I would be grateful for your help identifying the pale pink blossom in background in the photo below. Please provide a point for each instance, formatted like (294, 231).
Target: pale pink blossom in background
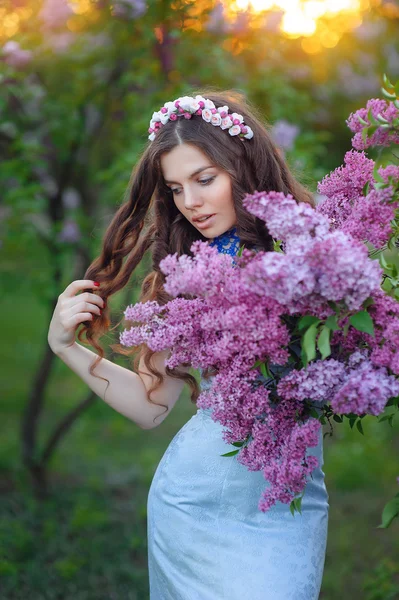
(55, 13)
(15, 56)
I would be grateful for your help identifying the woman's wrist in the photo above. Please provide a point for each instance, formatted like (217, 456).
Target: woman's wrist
(63, 351)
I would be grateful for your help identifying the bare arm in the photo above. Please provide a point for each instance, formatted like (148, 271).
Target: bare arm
(126, 392)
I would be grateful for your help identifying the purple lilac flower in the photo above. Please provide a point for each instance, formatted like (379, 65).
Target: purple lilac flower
(365, 391)
(285, 218)
(382, 136)
(383, 346)
(285, 134)
(318, 381)
(70, 232)
(344, 186)
(370, 219)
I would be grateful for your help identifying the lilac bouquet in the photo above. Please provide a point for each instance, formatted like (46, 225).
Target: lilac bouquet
(301, 335)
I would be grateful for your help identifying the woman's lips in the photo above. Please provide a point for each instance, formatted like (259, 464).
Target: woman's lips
(205, 224)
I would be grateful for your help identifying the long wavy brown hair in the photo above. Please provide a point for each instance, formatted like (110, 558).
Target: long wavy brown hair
(149, 219)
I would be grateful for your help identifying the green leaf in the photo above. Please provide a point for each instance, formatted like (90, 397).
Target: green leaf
(309, 342)
(382, 119)
(232, 453)
(292, 508)
(298, 505)
(237, 444)
(390, 511)
(393, 401)
(388, 95)
(323, 342)
(338, 418)
(376, 175)
(332, 323)
(387, 81)
(264, 369)
(362, 321)
(362, 121)
(352, 421)
(313, 413)
(241, 250)
(368, 302)
(360, 426)
(307, 321)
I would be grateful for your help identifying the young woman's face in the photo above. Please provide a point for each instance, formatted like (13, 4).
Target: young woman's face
(199, 189)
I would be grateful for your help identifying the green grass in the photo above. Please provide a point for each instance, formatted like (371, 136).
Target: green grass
(88, 540)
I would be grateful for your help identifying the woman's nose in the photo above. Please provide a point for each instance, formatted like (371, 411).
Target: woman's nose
(191, 198)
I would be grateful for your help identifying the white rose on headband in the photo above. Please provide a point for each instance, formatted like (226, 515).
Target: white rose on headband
(235, 130)
(151, 137)
(186, 102)
(164, 118)
(216, 119)
(156, 117)
(250, 134)
(226, 123)
(209, 104)
(170, 106)
(207, 115)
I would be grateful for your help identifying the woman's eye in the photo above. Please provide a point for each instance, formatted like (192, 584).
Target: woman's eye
(206, 181)
(175, 191)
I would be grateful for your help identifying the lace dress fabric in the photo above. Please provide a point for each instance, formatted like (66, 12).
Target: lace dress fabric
(207, 538)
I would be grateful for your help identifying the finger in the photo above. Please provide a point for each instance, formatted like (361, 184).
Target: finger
(83, 307)
(78, 285)
(88, 297)
(80, 318)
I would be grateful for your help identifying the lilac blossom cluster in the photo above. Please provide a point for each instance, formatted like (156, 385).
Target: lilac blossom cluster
(248, 300)
(361, 388)
(386, 133)
(317, 266)
(365, 217)
(383, 345)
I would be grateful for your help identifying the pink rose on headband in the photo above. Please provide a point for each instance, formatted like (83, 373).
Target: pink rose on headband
(223, 111)
(236, 117)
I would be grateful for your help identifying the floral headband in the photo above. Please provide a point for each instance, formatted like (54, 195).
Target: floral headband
(187, 107)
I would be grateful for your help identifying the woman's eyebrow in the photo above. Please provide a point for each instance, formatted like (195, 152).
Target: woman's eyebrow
(193, 174)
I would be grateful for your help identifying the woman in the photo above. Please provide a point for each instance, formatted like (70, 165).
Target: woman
(207, 538)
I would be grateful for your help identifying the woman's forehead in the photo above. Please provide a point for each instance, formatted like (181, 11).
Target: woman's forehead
(183, 161)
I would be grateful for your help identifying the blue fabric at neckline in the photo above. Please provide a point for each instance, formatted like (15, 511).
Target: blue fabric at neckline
(227, 242)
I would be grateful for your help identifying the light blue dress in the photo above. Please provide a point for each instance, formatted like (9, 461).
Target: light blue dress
(207, 538)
